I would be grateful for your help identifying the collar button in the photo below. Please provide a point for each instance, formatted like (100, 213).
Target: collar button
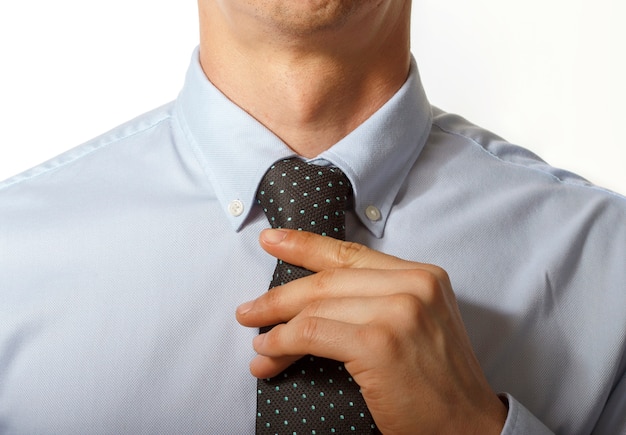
(373, 213)
(235, 208)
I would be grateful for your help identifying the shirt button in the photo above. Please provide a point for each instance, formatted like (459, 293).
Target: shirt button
(373, 213)
(235, 208)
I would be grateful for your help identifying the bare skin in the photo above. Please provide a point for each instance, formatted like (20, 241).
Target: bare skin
(394, 323)
(312, 71)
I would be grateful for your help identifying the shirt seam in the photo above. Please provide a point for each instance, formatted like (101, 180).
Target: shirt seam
(89, 149)
(588, 185)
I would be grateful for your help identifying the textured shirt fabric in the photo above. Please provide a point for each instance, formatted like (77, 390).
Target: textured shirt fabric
(122, 262)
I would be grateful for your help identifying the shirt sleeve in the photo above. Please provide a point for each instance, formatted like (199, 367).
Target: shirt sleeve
(521, 421)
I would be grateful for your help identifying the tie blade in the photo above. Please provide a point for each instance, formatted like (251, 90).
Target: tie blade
(314, 395)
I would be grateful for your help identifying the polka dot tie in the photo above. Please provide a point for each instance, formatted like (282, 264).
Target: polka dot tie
(315, 395)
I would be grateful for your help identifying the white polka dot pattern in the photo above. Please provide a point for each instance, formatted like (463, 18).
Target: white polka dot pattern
(315, 395)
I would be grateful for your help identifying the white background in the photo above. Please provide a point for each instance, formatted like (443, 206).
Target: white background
(546, 74)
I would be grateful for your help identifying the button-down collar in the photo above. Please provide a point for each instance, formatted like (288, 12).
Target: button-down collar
(236, 150)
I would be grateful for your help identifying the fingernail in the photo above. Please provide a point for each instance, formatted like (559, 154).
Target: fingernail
(273, 237)
(245, 307)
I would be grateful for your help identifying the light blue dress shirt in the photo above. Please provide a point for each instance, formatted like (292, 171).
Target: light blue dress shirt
(122, 262)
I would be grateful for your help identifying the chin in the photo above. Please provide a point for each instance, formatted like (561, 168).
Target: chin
(304, 17)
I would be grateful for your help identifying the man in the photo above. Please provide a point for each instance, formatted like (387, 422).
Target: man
(489, 298)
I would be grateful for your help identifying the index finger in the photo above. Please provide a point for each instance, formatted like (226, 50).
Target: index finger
(316, 253)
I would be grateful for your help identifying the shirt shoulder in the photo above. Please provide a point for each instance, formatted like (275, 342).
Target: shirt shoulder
(551, 211)
(133, 130)
(496, 148)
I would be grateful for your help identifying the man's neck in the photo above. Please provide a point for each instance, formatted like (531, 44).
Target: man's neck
(312, 89)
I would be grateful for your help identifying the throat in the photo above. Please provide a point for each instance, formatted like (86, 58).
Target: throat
(315, 109)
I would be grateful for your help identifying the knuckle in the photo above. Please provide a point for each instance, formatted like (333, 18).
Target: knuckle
(347, 254)
(305, 240)
(426, 277)
(276, 303)
(429, 283)
(410, 317)
(405, 306)
(309, 330)
(441, 274)
(275, 336)
(274, 297)
(383, 341)
(322, 281)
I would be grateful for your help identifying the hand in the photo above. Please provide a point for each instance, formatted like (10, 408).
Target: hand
(394, 323)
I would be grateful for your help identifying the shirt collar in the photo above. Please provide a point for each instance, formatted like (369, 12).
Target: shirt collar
(235, 149)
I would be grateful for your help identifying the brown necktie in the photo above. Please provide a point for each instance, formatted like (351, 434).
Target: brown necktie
(314, 395)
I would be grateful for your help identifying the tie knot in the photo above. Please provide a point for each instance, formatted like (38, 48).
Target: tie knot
(303, 196)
